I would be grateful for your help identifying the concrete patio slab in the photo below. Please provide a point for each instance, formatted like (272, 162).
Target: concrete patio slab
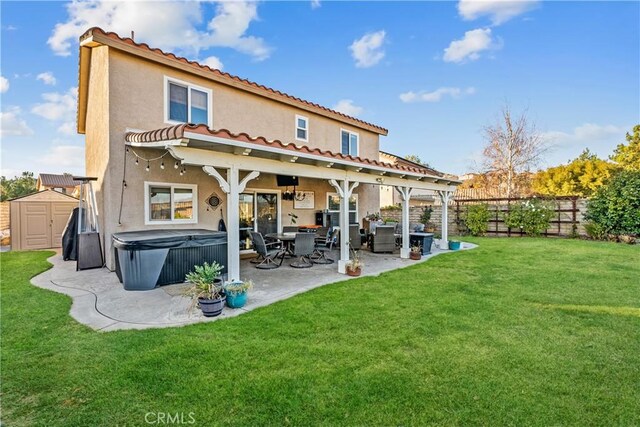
(100, 302)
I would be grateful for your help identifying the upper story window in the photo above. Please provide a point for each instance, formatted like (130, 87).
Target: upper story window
(350, 142)
(302, 128)
(186, 103)
(167, 203)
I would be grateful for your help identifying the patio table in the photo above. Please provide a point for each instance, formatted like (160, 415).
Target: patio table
(287, 240)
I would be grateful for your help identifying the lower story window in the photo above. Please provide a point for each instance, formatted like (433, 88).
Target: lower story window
(333, 205)
(170, 203)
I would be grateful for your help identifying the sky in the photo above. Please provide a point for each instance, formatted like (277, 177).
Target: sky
(433, 73)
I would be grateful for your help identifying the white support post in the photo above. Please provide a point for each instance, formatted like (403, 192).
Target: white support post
(345, 191)
(405, 194)
(232, 186)
(445, 196)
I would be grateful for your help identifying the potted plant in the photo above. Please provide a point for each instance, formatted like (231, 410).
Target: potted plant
(236, 292)
(415, 253)
(207, 290)
(354, 267)
(425, 216)
(454, 245)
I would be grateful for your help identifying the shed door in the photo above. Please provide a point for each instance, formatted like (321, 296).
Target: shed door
(60, 212)
(35, 225)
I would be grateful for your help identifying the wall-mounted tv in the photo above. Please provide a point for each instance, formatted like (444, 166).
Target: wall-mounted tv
(286, 181)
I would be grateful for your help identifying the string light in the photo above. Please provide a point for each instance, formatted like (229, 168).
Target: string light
(148, 167)
(175, 166)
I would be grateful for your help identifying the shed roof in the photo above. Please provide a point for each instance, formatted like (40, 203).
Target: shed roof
(58, 181)
(47, 195)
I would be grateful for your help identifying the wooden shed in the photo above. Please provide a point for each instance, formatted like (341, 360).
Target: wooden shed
(38, 220)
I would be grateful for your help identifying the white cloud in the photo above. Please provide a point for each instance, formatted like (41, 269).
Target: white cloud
(588, 132)
(346, 106)
(67, 128)
(169, 25)
(63, 157)
(499, 11)
(213, 62)
(436, 95)
(4, 84)
(12, 125)
(47, 78)
(58, 106)
(470, 46)
(367, 50)
(315, 4)
(11, 28)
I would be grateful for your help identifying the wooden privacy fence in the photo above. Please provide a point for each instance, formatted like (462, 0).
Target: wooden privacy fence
(567, 219)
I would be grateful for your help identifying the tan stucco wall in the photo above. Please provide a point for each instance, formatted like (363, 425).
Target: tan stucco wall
(128, 93)
(140, 99)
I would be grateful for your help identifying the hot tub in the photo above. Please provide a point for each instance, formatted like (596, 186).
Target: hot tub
(150, 258)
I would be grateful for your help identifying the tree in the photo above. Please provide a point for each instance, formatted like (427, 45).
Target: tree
(580, 177)
(513, 145)
(416, 159)
(615, 207)
(628, 156)
(17, 187)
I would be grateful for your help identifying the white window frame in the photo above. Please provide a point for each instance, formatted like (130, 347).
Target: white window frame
(338, 196)
(189, 86)
(172, 186)
(306, 120)
(357, 142)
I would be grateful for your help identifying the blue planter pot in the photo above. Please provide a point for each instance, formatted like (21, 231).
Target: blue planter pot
(237, 300)
(454, 246)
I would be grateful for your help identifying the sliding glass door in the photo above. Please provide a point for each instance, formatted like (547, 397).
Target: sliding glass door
(259, 211)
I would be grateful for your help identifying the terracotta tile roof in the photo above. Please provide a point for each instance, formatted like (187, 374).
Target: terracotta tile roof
(58, 181)
(226, 76)
(178, 132)
(403, 161)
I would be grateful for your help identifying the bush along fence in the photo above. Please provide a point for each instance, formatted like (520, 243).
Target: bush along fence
(560, 216)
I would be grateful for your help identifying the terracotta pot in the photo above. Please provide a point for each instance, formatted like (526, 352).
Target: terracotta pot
(355, 272)
(415, 255)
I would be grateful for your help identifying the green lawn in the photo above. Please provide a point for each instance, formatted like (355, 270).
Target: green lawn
(517, 331)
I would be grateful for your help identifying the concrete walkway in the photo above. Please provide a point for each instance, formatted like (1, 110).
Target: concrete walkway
(100, 302)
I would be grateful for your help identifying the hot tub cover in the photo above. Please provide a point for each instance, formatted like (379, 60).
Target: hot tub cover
(166, 239)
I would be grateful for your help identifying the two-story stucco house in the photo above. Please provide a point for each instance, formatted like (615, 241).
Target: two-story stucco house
(165, 134)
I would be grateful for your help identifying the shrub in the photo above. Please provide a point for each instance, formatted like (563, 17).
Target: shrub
(476, 219)
(615, 207)
(531, 216)
(595, 231)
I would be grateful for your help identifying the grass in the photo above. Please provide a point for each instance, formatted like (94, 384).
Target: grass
(517, 332)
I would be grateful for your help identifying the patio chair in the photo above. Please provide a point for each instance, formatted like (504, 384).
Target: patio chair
(270, 243)
(303, 248)
(384, 240)
(290, 229)
(322, 246)
(269, 255)
(355, 237)
(334, 238)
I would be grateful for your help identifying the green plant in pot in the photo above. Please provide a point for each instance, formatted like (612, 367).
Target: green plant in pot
(206, 288)
(236, 292)
(354, 267)
(415, 252)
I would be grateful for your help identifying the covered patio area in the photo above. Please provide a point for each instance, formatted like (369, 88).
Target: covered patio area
(235, 160)
(100, 302)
